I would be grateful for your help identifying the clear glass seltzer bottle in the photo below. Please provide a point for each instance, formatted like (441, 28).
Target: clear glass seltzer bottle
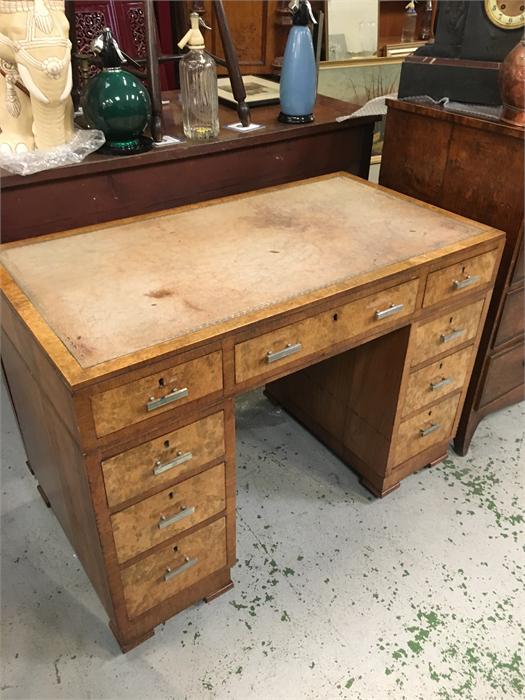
(198, 86)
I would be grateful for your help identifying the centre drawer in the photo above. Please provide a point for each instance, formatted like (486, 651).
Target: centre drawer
(446, 332)
(427, 428)
(169, 512)
(158, 462)
(259, 355)
(133, 402)
(174, 568)
(437, 380)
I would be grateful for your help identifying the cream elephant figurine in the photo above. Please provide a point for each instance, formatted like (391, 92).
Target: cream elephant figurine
(36, 110)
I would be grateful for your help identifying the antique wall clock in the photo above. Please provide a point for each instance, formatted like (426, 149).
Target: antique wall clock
(507, 14)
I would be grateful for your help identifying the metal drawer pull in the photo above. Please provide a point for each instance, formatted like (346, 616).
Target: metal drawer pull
(385, 313)
(170, 573)
(183, 513)
(461, 284)
(179, 459)
(175, 395)
(435, 386)
(445, 338)
(423, 432)
(279, 354)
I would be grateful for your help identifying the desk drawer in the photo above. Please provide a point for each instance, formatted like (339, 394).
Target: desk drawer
(169, 512)
(446, 332)
(437, 380)
(160, 461)
(453, 281)
(427, 428)
(174, 568)
(258, 356)
(130, 403)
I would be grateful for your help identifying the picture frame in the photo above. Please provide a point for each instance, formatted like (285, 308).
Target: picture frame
(259, 91)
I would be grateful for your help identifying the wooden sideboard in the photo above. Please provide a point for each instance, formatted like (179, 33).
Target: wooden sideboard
(103, 188)
(124, 382)
(473, 167)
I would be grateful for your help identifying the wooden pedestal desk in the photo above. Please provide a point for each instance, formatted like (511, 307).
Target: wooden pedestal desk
(360, 309)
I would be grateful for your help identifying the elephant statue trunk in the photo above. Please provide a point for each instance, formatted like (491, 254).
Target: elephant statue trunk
(36, 110)
(49, 123)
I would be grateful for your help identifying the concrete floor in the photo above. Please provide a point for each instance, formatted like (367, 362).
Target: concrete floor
(337, 595)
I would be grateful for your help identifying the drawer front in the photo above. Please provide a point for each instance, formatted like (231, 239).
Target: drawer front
(278, 348)
(174, 568)
(437, 380)
(455, 280)
(505, 372)
(169, 512)
(156, 393)
(446, 332)
(160, 461)
(427, 428)
(512, 321)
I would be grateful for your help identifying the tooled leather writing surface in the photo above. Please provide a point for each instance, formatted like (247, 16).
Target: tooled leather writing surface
(132, 285)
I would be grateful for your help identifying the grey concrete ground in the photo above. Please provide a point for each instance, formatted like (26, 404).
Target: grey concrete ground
(337, 595)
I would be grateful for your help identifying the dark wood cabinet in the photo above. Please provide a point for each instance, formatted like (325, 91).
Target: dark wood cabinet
(473, 167)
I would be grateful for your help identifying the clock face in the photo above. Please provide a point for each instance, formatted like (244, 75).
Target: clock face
(507, 14)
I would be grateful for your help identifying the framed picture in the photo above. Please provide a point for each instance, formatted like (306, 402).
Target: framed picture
(259, 91)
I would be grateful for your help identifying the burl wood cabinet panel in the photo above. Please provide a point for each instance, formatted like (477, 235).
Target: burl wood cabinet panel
(473, 167)
(124, 384)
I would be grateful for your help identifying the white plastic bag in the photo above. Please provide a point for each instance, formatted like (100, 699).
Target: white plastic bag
(84, 142)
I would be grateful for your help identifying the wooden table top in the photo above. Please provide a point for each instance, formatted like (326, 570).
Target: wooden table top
(117, 289)
(327, 109)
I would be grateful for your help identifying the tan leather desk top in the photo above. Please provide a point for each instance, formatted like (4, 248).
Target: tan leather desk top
(112, 291)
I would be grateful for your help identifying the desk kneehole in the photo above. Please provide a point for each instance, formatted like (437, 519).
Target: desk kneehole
(271, 351)
(160, 517)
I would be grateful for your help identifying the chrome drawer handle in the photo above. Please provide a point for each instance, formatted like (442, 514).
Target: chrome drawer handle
(435, 386)
(461, 284)
(385, 313)
(279, 354)
(183, 513)
(175, 395)
(445, 338)
(423, 432)
(170, 573)
(179, 459)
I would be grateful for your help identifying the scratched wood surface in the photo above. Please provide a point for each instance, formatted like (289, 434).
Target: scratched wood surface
(110, 292)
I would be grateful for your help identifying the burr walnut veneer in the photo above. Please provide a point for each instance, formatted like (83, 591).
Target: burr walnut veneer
(472, 167)
(359, 309)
